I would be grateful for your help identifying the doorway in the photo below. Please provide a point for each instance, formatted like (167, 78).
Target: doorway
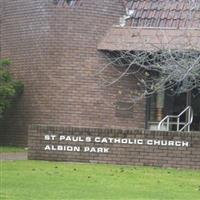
(174, 105)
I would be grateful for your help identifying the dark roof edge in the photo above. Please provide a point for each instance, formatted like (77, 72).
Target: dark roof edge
(160, 28)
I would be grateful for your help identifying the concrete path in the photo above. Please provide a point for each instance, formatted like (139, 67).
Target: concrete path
(13, 156)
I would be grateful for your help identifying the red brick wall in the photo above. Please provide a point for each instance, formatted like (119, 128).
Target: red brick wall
(54, 52)
(1, 13)
(132, 147)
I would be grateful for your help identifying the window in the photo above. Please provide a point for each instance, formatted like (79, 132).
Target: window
(70, 3)
(124, 110)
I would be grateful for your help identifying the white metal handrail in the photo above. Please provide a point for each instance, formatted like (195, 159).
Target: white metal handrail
(186, 125)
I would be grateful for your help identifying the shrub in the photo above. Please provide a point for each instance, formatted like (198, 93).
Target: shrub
(9, 88)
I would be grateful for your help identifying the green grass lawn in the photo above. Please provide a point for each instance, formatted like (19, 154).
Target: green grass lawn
(37, 180)
(11, 149)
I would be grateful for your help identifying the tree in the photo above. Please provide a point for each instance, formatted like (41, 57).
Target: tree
(9, 88)
(172, 70)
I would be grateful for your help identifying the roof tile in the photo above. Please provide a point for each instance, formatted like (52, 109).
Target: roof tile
(164, 13)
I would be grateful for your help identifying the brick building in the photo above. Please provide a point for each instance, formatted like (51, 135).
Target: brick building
(56, 49)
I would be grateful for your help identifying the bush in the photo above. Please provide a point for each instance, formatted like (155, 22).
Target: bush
(9, 88)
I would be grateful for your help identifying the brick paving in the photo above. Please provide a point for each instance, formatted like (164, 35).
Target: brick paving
(13, 156)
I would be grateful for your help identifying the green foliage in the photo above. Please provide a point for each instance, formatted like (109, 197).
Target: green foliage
(9, 88)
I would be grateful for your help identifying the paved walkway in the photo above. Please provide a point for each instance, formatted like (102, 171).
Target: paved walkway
(13, 156)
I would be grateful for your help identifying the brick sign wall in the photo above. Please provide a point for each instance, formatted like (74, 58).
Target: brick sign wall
(132, 147)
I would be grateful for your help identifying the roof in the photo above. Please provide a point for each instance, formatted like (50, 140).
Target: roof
(149, 39)
(164, 13)
(156, 24)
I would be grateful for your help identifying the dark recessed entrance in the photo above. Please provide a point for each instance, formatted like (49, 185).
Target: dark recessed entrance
(160, 105)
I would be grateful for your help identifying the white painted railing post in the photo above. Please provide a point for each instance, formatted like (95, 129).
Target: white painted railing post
(178, 123)
(168, 124)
